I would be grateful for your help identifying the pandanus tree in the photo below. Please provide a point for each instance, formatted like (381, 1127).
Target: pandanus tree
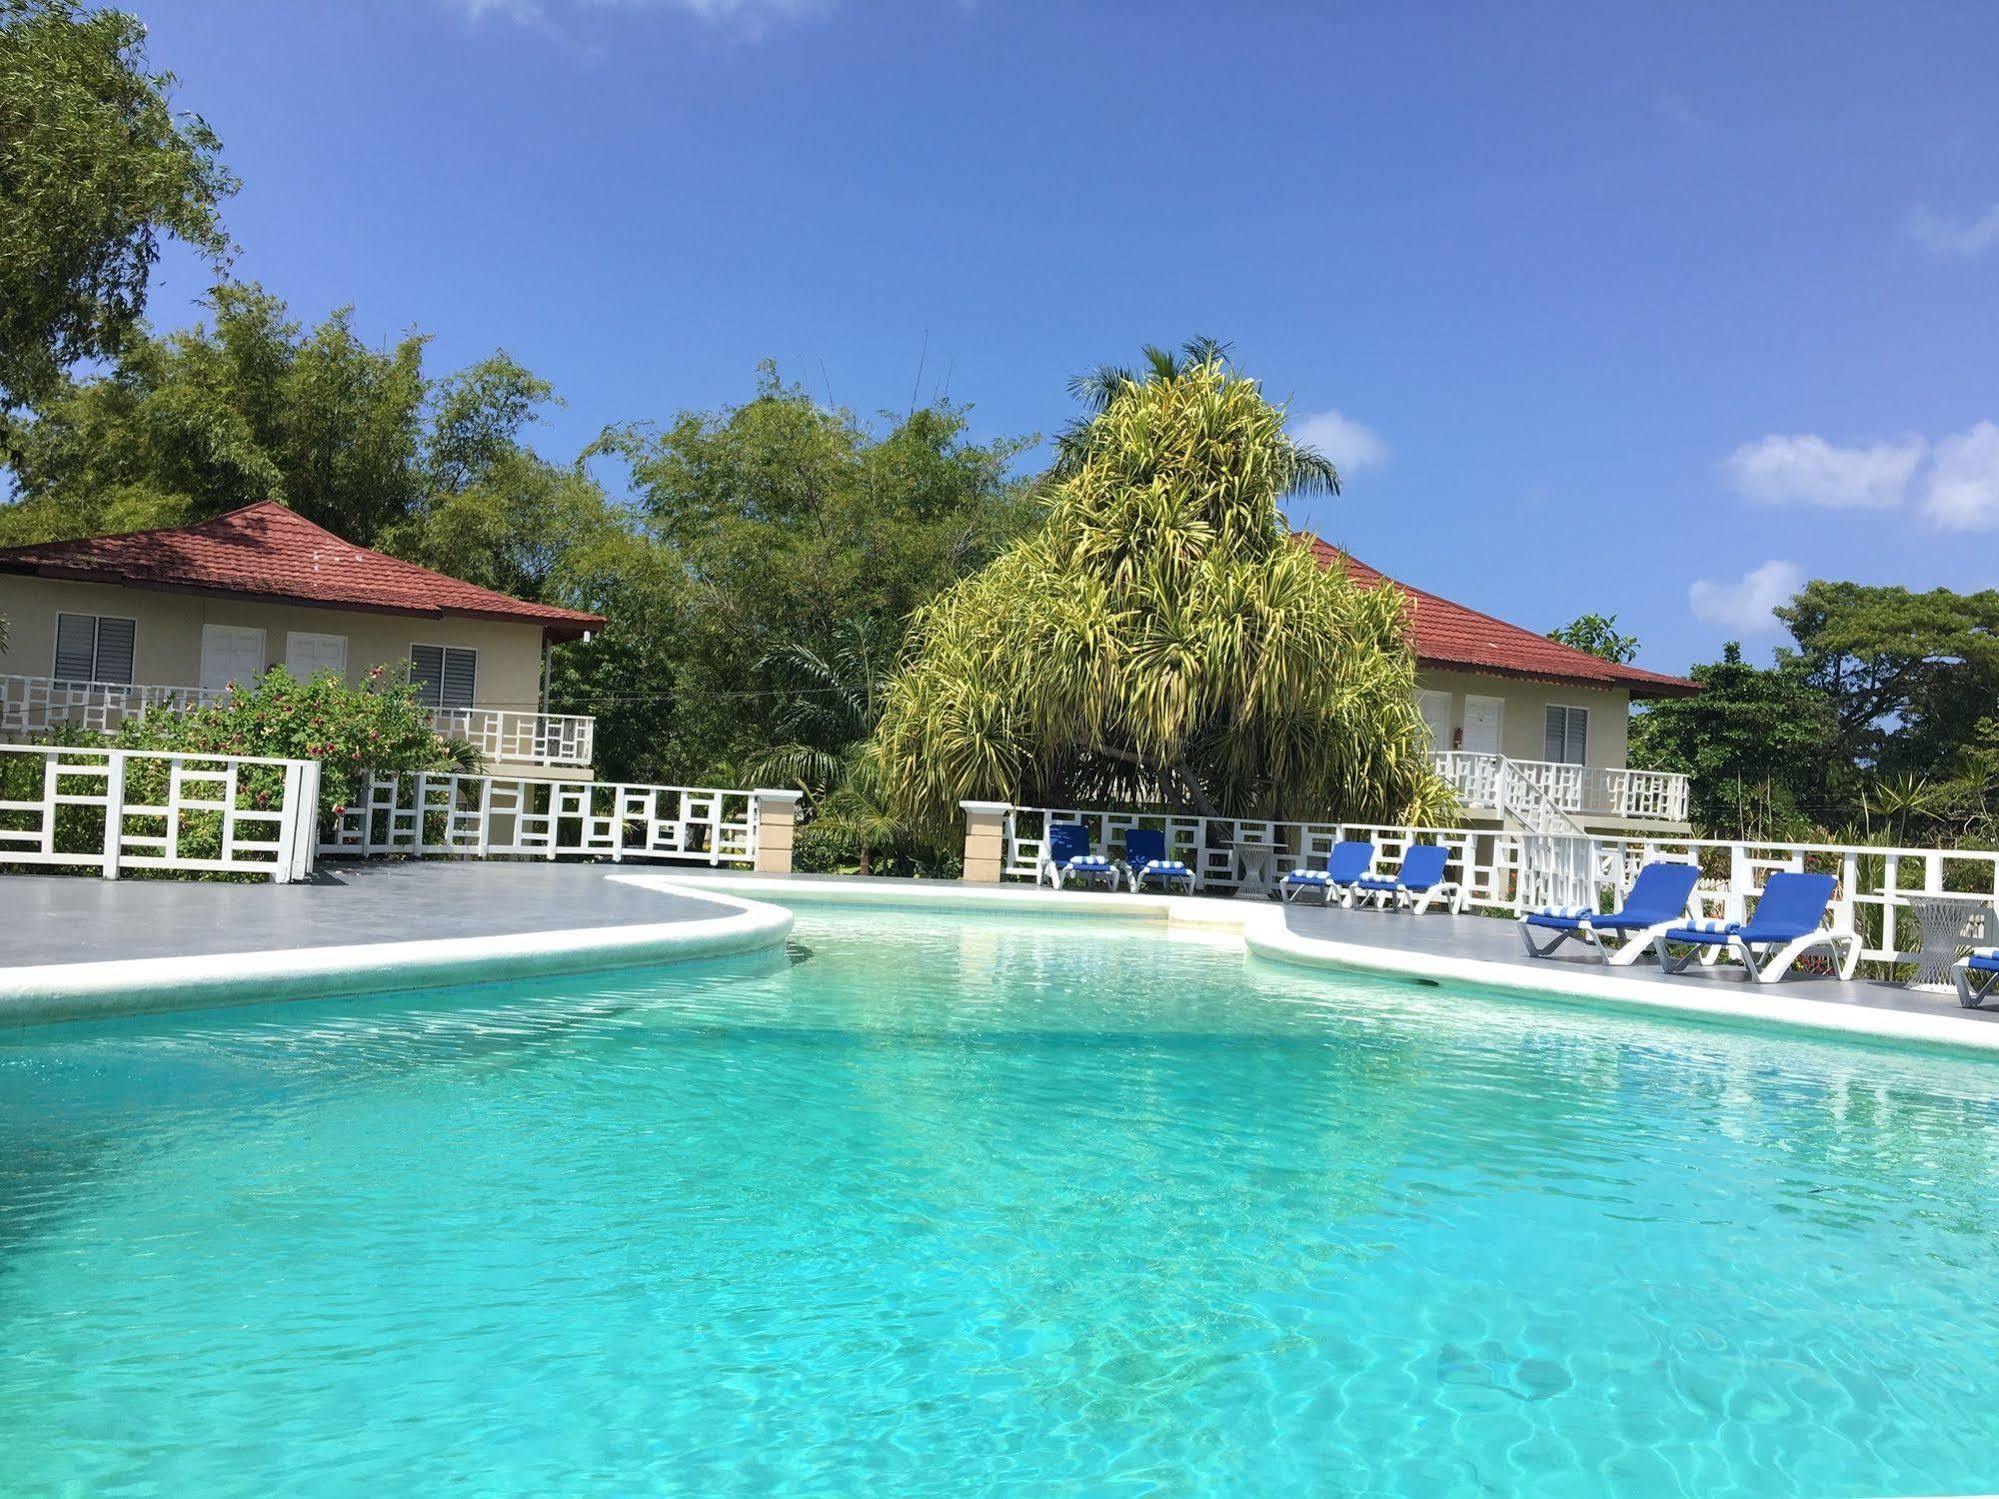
(1162, 638)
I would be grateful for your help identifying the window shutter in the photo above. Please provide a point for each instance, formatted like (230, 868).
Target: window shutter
(461, 671)
(114, 650)
(76, 647)
(427, 674)
(1577, 749)
(1553, 740)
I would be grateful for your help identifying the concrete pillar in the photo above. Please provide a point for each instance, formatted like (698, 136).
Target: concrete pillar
(985, 841)
(777, 824)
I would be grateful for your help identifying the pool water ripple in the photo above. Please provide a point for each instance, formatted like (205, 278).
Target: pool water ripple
(978, 1205)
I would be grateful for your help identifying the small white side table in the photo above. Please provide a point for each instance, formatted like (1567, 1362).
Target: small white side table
(1256, 868)
(1949, 922)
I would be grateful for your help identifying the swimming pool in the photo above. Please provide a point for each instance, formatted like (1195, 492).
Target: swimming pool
(935, 1204)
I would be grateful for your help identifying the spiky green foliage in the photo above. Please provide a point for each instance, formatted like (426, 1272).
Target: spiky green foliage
(1162, 637)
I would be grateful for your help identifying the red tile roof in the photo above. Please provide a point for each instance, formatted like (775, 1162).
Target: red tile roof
(1455, 638)
(266, 551)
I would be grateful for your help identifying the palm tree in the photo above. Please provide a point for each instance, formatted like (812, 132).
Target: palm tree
(834, 700)
(1097, 387)
(1162, 638)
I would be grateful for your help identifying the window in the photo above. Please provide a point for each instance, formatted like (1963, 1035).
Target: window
(1568, 736)
(94, 648)
(444, 675)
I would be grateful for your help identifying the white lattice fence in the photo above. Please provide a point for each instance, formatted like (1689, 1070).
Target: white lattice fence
(118, 810)
(1486, 863)
(1872, 881)
(497, 817)
(1509, 871)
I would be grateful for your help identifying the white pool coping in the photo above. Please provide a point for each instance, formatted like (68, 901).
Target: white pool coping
(1264, 933)
(44, 993)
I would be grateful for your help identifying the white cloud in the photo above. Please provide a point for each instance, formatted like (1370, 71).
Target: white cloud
(1350, 445)
(1745, 604)
(1934, 232)
(750, 18)
(1963, 490)
(1809, 470)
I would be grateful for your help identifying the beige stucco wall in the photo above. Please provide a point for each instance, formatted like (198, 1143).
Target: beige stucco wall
(167, 640)
(1523, 720)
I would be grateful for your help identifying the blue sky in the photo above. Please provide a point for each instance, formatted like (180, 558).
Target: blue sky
(1650, 313)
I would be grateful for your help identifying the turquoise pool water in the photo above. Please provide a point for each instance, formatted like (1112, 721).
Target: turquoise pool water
(935, 1206)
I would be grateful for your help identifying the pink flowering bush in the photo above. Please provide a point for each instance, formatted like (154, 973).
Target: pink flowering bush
(351, 731)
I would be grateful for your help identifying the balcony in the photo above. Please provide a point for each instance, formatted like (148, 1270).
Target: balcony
(1581, 790)
(34, 705)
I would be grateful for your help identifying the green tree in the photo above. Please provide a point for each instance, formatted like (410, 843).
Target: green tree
(96, 169)
(1907, 675)
(252, 405)
(1162, 636)
(1749, 743)
(1598, 635)
(788, 522)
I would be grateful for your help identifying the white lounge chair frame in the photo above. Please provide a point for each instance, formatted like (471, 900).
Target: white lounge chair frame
(1972, 994)
(1622, 953)
(1053, 873)
(1418, 901)
(1844, 945)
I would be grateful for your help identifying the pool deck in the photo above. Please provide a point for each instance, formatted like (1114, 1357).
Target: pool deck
(79, 946)
(82, 947)
(50, 919)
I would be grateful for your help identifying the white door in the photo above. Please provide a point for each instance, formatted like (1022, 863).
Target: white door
(1482, 717)
(1436, 710)
(306, 656)
(230, 654)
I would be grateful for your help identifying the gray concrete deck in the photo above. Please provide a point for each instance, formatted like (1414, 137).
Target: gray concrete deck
(54, 919)
(1493, 941)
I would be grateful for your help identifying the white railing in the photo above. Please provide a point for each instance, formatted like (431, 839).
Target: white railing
(422, 813)
(35, 705)
(118, 810)
(1655, 795)
(1487, 863)
(503, 736)
(1510, 870)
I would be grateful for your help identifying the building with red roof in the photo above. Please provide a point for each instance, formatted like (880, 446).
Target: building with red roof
(1490, 689)
(109, 624)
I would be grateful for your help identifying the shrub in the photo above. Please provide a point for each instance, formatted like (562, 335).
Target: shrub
(351, 731)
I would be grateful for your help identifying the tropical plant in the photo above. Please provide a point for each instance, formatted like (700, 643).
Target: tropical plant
(1162, 637)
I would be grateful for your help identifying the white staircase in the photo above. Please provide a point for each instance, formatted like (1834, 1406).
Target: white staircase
(1557, 858)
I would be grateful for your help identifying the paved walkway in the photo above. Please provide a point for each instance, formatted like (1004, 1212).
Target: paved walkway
(53, 919)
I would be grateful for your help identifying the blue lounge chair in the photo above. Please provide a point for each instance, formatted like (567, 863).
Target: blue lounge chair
(1419, 881)
(1348, 863)
(1657, 902)
(1786, 925)
(1145, 858)
(1976, 973)
(1068, 856)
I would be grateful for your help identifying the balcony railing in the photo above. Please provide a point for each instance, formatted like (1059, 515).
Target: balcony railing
(503, 736)
(1591, 790)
